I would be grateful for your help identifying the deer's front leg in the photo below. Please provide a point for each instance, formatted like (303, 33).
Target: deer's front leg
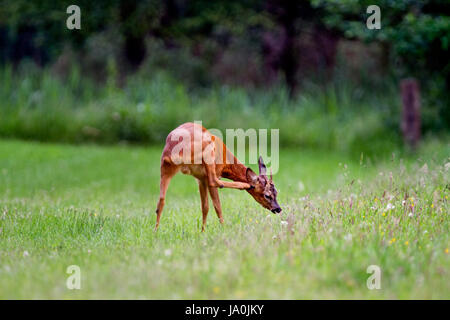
(214, 193)
(202, 186)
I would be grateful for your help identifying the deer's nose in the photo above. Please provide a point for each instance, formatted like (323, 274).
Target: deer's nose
(276, 210)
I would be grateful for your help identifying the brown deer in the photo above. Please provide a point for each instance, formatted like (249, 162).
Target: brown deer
(195, 151)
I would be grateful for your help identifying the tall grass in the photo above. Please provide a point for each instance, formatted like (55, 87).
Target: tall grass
(37, 104)
(94, 207)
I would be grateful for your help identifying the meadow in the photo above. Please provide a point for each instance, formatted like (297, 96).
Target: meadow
(93, 206)
(84, 114)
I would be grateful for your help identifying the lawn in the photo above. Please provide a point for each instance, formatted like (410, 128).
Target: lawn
(94, 206)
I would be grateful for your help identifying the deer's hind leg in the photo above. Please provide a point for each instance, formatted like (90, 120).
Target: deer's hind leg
(168, 170)
(214, 193)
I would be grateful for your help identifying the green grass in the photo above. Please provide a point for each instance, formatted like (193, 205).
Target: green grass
(94, 207)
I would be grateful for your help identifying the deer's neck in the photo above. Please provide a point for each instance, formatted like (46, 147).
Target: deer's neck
(235, 171)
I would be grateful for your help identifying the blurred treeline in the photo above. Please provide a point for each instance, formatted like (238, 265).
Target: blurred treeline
(138, 68)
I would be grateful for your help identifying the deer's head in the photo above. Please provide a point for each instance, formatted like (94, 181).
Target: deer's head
(262, 188)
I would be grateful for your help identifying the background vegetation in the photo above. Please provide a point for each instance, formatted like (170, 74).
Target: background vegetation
(95, 106)
(136, 69)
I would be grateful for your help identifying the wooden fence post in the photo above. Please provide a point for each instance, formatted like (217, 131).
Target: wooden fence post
(410, 124)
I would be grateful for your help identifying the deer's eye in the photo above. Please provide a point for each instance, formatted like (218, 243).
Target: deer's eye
(267, 197)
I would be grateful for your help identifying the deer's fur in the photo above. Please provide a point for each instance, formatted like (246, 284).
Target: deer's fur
(203, 163)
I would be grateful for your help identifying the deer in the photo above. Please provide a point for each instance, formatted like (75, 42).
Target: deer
(193, 150)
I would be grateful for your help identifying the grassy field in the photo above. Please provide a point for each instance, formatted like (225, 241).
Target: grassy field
(94, 207)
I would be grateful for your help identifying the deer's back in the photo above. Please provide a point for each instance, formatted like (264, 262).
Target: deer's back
(189, 146)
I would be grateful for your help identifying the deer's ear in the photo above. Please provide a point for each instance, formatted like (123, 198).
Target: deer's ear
(252, 178)
(262, 167)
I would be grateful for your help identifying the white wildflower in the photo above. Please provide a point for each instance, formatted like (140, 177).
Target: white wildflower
(284, 223)
(25, 253)
(390, 206)
(167, 252)
(301, 186)
(348, 237)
